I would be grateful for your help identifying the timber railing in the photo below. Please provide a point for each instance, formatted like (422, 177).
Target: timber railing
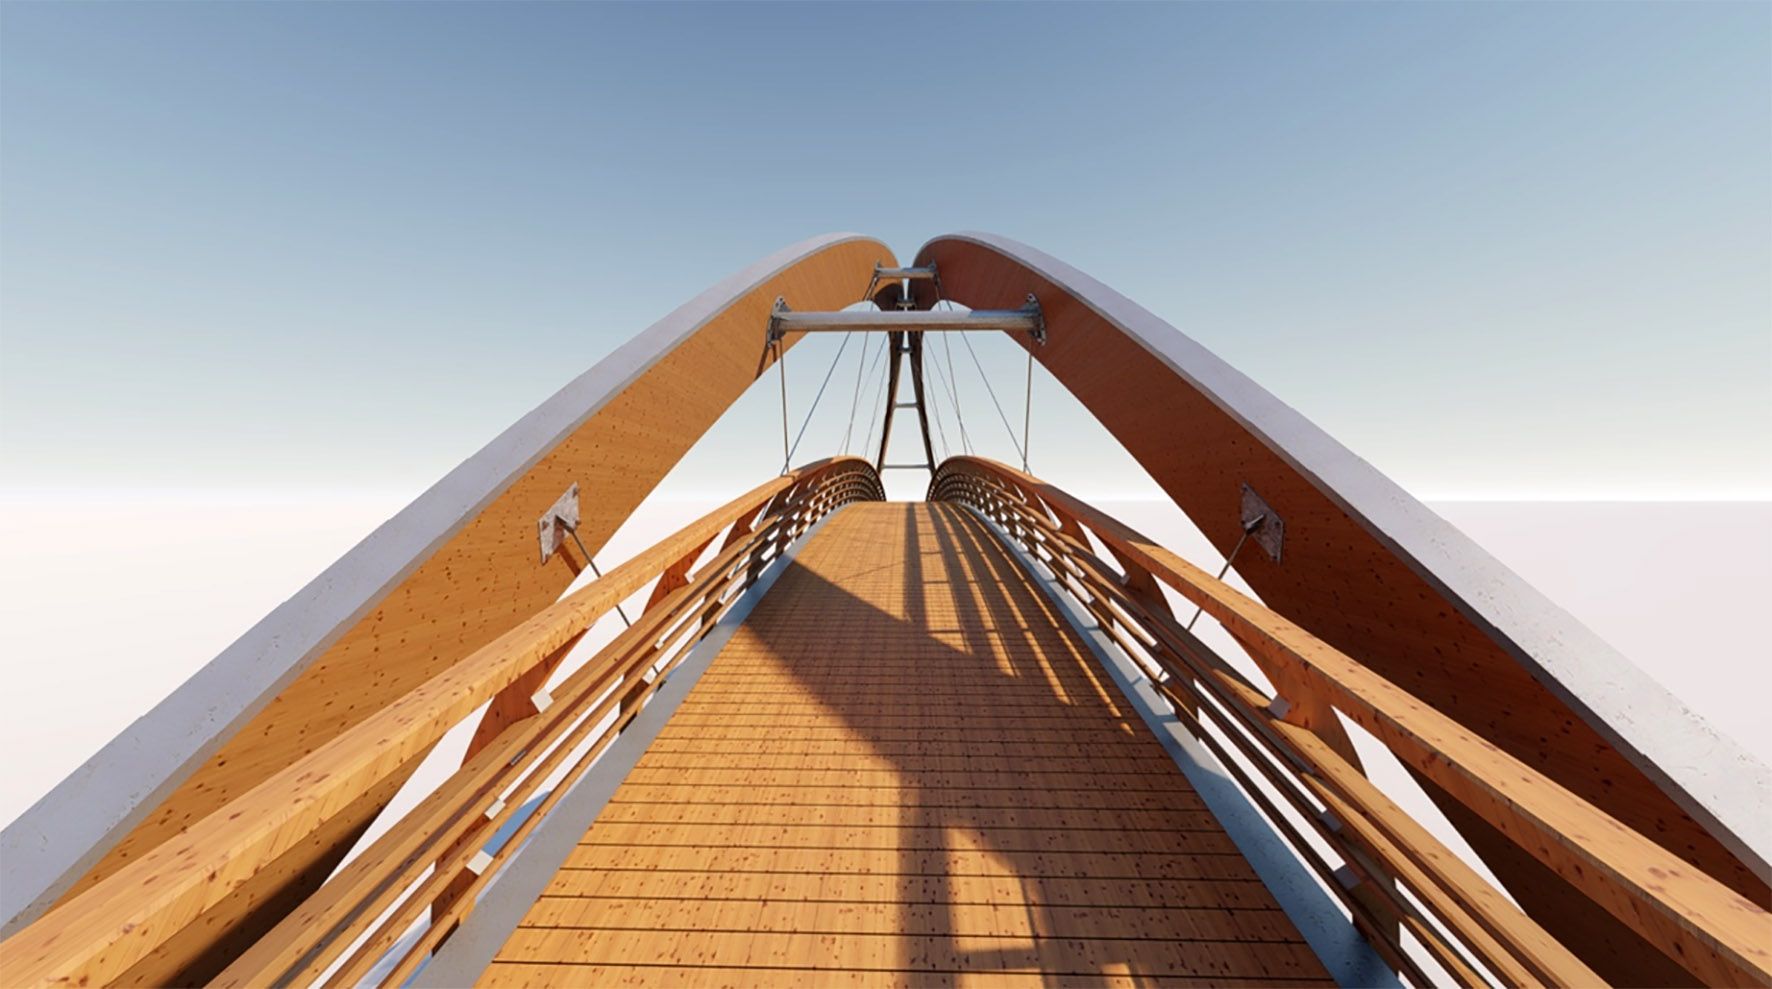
(1431, 916)
(368, 921)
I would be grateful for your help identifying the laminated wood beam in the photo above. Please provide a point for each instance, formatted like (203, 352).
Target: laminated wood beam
(1714, 932)
(1377, 575)
(441, 579)
(101, 932)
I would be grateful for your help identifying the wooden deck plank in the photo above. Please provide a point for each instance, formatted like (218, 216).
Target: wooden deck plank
(904, 765)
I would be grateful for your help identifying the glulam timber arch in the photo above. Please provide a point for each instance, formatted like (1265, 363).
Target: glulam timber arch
(198, 845)
(439, 580)
(1374, 573)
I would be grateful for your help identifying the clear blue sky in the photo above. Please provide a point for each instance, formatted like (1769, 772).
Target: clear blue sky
(1502, 248)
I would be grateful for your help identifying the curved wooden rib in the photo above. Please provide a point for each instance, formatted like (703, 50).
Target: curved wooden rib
(1718, 934)
(102, 932)
(442, 578)
(1372, 572)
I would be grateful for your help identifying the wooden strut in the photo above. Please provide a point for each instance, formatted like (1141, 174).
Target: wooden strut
(450, 573)
(1714, 932)
(230, 853)
(1384, 579)
(98, 935)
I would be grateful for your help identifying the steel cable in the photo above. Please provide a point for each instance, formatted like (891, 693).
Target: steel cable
(874, 395)
(935, 412)
(993, 393)
(949, 380)
(855, 402)
(815, 399)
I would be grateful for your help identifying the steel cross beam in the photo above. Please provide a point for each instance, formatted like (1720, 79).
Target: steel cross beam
(914, 274)
(905, 329)
(904, 276)
(1027, 319)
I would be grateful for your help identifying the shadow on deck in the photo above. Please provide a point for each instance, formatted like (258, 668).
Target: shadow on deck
(906, 767)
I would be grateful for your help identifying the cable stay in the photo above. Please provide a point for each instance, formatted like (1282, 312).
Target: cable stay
(816, 398)
(1027, 415)
(781, 363)
(993, 393)
(861, 363)
(904, 330)
(941, 432)
(571, 528)
(949, 379)
(1250, 525)
(873, 395)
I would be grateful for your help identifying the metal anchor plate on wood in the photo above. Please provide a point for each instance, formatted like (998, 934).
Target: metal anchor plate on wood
(548, 527)
(1262, 523)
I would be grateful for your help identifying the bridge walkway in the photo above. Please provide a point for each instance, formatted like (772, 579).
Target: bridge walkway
(905, 768)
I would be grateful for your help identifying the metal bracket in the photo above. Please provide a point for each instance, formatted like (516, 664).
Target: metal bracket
(1033, 306)
(548, 527)
(1029, 319)
(775, 313)
(910, 274)
(901, 274)
(1262, 523)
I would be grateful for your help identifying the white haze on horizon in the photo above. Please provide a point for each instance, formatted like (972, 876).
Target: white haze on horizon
(108, 604)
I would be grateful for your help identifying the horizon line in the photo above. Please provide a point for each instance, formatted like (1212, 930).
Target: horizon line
(284, 493)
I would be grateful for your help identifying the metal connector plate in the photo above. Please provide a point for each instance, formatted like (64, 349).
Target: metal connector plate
(1270, 535)
(548, 528)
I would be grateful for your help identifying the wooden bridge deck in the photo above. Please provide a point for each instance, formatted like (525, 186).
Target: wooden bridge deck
(905, 767)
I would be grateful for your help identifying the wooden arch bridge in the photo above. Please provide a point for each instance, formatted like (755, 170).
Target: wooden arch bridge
(969, 739)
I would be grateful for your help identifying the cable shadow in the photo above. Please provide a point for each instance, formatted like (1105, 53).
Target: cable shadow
(1042, 830)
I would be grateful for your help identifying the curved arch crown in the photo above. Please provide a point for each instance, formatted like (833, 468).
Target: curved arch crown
(1374, 598)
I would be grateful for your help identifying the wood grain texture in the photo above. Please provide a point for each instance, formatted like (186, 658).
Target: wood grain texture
(486, 575)
(1344, 584)
(905, 768)
(1214, 696)
(229, 927)
(1712, 931)
(109, 927)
